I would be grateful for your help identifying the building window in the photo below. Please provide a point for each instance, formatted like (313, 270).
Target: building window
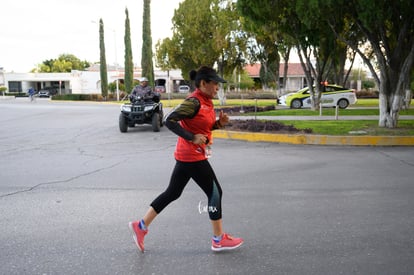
(281, 83)
(15, 87)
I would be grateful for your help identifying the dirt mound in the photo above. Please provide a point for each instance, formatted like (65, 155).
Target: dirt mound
(237, 110)
(266, 126)
(252, 125)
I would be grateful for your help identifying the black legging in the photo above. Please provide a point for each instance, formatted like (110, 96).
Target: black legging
(202, 173)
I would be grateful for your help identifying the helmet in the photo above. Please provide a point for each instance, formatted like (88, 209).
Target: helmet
(143, 79)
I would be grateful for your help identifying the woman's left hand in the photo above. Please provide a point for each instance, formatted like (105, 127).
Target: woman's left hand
(223, 118)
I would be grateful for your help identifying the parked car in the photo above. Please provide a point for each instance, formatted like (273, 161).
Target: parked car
(332, 95)
(184, 89)
(44, 93)
(159, 89)
(47, 92)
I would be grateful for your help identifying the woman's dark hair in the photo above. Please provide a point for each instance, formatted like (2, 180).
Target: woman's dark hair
(203, 73)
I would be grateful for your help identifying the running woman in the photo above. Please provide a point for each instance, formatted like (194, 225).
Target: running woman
(193, 121)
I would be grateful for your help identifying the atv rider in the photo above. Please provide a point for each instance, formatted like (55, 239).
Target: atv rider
(143, 91)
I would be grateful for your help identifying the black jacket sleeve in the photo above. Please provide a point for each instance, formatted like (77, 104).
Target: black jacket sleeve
(187, 109)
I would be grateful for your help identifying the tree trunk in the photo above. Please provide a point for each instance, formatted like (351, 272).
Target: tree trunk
(393, 91)
(316, 98)
(222, 96)
(285, 72)
(306, 66)
(407, 99)
(389, 108)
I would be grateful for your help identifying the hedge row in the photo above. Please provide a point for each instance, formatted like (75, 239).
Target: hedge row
(16, 94)
(367, 94)
(164, 96)
(86, 97)
(229, 95)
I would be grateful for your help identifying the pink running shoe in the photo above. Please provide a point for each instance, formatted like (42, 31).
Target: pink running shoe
(227, 243)
(138, 234)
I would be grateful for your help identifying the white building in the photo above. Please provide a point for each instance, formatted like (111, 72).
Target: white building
(295, 77)
(79, 82)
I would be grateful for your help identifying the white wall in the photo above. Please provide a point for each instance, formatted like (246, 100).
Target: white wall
(77, 82)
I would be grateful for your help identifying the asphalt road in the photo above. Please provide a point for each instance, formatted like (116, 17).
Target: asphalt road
(70, 182)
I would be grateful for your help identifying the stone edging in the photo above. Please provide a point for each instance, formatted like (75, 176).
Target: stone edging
(317, 139)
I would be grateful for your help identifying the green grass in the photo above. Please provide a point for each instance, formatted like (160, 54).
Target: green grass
(344, 127)
(267, 102)
(328, 112)
(368, 102)
(366, 107)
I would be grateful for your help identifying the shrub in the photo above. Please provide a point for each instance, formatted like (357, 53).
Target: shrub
(251, 125)
(368, 93)
(16, 94)
(368, 84)
(76, 97)
(251, 94)
(3, 89)
(123, 95)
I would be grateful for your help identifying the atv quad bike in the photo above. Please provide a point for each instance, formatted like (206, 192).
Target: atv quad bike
(141, 111)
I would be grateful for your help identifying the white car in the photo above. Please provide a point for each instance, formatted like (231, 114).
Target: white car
(332, 95)
(184, 89)
(44, 93)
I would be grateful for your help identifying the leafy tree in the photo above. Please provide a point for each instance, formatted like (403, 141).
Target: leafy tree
(63, 64)
(205, 32)
(112, 87)
(129, 65)
(163, 54)
(231, 37)
(281, 16)
(103, 69)
(388, 29)
(193, 39)
(146, 57)
(380, 31)
(44, 67)
(3, 89)
(162, 57)
(240, 80)
(368, 84)
(264, 48)
(322, 55)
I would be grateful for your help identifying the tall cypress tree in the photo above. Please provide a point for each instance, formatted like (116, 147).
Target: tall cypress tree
(103, 69)
(146, 56)
(129, 65)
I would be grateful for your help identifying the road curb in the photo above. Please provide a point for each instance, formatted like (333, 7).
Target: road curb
(317, 139)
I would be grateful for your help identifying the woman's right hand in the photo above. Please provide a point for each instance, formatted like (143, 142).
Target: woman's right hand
(199, 139)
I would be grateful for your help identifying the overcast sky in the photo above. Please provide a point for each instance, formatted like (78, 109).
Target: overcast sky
(32, 31)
